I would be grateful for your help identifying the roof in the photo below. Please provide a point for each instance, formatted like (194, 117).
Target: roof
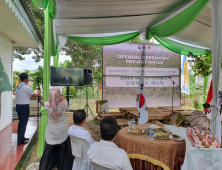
(18, 26)
(31, 16)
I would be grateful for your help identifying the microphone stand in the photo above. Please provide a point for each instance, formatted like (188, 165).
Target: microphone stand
(173, 90)
(39, 101)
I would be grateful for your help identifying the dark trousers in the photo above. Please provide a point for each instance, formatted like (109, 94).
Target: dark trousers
(57, 155)
(23, 116)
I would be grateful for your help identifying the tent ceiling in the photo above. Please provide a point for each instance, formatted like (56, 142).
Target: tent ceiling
(105, 25)
(198, 32)
(12, 29)
(81, 17)
(114, 8)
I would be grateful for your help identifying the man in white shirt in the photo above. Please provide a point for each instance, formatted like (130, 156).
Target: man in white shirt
(106, 153)
(23, 94)
(79, 118)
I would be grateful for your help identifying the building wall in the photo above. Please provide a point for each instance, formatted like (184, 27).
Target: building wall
(6, 53)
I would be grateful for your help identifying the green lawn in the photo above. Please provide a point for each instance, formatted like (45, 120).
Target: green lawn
(79, 103)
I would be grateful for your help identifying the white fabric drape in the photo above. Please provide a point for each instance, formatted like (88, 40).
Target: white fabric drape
(62, 41)
(216, 19)
(205, 159)
(54, 33)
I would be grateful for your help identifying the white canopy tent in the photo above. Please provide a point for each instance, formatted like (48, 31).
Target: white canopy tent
(107, 18)
(92, 17)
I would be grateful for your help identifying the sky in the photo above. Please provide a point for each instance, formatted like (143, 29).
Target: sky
(30, 64)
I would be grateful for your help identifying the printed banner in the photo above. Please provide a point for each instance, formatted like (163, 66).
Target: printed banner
(184, 77)
(122, 66)
(132, 81)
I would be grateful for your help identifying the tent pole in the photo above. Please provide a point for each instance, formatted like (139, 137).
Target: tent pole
(216, 22)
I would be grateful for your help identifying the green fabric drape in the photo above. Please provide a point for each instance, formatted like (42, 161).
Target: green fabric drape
(41, 130)
(53, 45)
(52, 8)
(46, 78)
(105, 40)
(56, 59)
(178, 47)
(44, 3)
(41, 3)
(169, 44)
(177, 23)
(47, 54)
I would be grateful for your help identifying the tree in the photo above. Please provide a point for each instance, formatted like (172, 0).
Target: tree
(33, 77)
(15, 78)
(201, 65)
(140, 39)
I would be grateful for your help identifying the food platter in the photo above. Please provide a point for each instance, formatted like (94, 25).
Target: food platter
(136, 131)
(154, 126)
(164, 136)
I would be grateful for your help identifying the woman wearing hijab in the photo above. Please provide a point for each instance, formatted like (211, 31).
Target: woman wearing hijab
(57, 151)
(196, 136)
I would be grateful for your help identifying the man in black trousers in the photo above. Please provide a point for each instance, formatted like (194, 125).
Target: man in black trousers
(23, 94)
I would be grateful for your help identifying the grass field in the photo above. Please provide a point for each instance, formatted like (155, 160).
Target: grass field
(79, 103)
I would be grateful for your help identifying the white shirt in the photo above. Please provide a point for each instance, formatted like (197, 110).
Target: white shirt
(57, 131)
(182, 132)
(80, 132)
(108, 154)
(23, 93)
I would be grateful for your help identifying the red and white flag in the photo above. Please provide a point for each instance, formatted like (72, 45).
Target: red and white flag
(210, 95)
(209, 101)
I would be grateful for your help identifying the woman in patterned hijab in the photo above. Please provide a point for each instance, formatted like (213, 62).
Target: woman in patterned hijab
(199, 120)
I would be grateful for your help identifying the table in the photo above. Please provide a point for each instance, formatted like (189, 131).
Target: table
(160, 153)
(111, 114)
(153, 114)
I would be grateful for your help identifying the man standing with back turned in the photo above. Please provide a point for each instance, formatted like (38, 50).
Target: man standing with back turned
(23, 94)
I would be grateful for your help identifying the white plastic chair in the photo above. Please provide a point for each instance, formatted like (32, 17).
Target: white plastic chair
(99, 167)
(80, 148)
(205, 159)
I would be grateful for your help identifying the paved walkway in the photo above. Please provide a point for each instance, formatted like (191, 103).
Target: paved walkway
(10, 153)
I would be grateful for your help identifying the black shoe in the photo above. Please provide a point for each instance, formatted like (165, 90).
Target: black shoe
(26, 139)
(23, 142)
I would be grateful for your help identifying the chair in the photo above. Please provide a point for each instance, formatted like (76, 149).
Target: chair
(205, 159)
(178, 163)
(80, 148)
(99, 167)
